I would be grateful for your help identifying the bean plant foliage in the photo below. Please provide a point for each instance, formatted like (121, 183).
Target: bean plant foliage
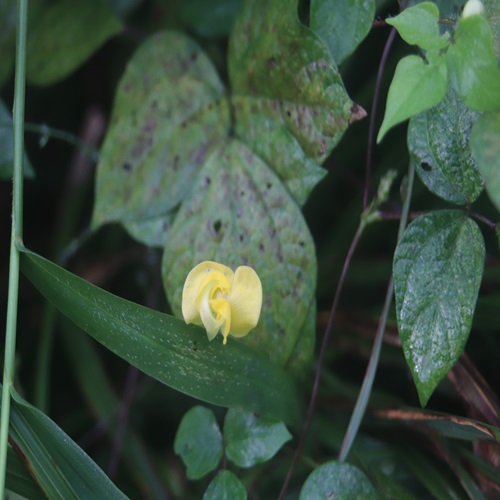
(246, 132)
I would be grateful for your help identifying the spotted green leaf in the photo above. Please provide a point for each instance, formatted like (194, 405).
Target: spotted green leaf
(239, 213)
(337, 480)
(438, 266)
(438, 141)
(64, 34)
(286, 88)
(169, 111)
(199, 442)
(485, 146)
(250, 439)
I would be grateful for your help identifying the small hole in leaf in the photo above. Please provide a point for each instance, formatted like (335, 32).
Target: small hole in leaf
(127, 167)
(425, 166)
(217, 225)
(208, 181)
(241, 237)
(269, 185)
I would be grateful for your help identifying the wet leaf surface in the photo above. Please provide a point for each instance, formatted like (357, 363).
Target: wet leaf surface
(438, 267)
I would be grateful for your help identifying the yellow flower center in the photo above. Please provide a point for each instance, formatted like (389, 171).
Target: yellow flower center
(212, 304)
(222, 300)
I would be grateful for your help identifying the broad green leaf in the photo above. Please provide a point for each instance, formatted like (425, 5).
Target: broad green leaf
(342, 25)
(283, 78)
(485, 144)
(418, 25)
(8, 16)
(472, 66)
(337, 480)
(250, 439)
(438, 141)
(209, 18)
(438, 266)
(169, 111)
(415, 87)
(64, 36)
(7, 147)
(199, 442)
(60, 466)
(167, 349)
(225, 486)
(238, 213)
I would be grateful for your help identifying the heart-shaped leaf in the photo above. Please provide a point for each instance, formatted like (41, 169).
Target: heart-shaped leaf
(225, 486)
(415, 87)
(438, 266)
(64, 34)
(284, 80)
(472, 66)
(239, 213)
(337, 480)
(168, 112)
(418, 25)
(199, 442)
(438, 140)
(333, 21)
(250, 439)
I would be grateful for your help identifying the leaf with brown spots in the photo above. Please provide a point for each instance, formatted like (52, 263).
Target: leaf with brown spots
(289, 101)
(244, 216)
(168, 113)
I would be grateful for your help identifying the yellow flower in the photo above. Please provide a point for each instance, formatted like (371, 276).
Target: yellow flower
(220, 300)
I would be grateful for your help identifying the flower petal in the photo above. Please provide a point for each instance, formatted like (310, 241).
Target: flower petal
(193, 285)
(222, 309)
(245, 300)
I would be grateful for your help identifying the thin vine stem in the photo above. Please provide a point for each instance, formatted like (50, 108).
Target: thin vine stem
(366, 388)
(47, 132)
(322, 352)
(16, 236)
(373, 115)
